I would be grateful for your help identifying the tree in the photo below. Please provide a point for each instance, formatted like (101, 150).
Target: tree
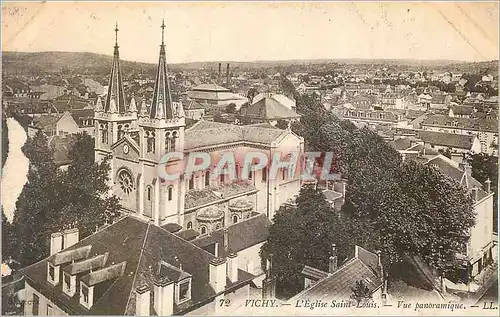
(360, 292)
(231, 108)
(5, 140)
(446, 152)
(400, 208)
(485, 167)
(37, 203)
(53, 200)
(7, 238)
(282, 124)
(86, 184)
(301, 236)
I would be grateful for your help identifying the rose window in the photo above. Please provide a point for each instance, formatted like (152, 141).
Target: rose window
(125, 180)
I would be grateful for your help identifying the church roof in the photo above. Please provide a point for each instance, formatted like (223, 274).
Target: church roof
(205, 133)
(241, 235)
(115, 100)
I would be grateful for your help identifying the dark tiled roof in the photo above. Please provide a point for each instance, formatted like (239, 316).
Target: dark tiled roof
(462, 110)
(314, 273)
(82, 114)
(241, 235)
(62, 145)
(449, 168)
(46, 122)
(458, 141)
(269, 109)
(489, 125)
(172, 227)
(135, 250)
(209, 195)
(188, 235)
(339, 285)
(401, 144)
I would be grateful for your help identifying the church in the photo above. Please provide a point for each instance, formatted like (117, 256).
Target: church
(134, 135)
(181, 247)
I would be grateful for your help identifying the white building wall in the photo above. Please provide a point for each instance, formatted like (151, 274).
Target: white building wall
(43, 304)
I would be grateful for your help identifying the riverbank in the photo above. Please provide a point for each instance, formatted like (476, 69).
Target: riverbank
(15, 170)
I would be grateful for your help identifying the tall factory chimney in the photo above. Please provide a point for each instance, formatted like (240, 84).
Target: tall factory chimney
(227, 75)
(220, 69)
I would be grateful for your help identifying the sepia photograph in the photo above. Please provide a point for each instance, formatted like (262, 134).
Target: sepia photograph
(245, 158)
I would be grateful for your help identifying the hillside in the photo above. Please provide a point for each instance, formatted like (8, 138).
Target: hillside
(98, 64)
(66, 62)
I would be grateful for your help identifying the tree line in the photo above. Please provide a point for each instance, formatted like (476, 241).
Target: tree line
(400, 208)
(54, 199)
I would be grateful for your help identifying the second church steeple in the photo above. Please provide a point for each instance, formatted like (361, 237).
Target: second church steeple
(162, 107)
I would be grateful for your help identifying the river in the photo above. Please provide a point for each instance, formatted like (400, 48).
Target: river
(15, 171)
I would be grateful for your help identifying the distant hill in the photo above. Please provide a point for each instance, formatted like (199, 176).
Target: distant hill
(99, 64)
(65, 62)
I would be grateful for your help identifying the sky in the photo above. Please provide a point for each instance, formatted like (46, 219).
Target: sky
(249, 31)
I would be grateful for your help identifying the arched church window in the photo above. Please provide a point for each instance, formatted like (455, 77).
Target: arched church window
(207, 178)
(167, 141)
(190, 225)
(203, 229)
(148, 190)
(235, 219)
(170, 193)
(104, 134)
(222, 178)
(172, 141)
(191, 182)
(125, 181)
(151, 142)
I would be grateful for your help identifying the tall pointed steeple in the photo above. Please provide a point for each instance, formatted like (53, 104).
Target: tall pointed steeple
(115, 87)
(162, 97)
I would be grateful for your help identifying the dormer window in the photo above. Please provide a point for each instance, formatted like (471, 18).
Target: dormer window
(52, 274)
(183, 291)
(69, 284)
(86, 295)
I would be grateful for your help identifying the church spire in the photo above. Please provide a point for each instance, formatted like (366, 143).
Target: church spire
(162, 97)
(115, 87)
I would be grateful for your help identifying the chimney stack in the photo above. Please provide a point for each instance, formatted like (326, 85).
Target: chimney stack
(443, 284)
(332, 262)
(71, 237)
(217, 276)
(232, 267)
(226, 241)
(216, 249)
(269, 283)
(142, 301)
(487, 185)
(56, 242)
(218, 76)
(227, 75)
(475, 192)
(163, 296)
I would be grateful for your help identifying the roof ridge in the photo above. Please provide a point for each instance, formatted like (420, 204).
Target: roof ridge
(138, 265)
(26, 267)
(329, 275)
